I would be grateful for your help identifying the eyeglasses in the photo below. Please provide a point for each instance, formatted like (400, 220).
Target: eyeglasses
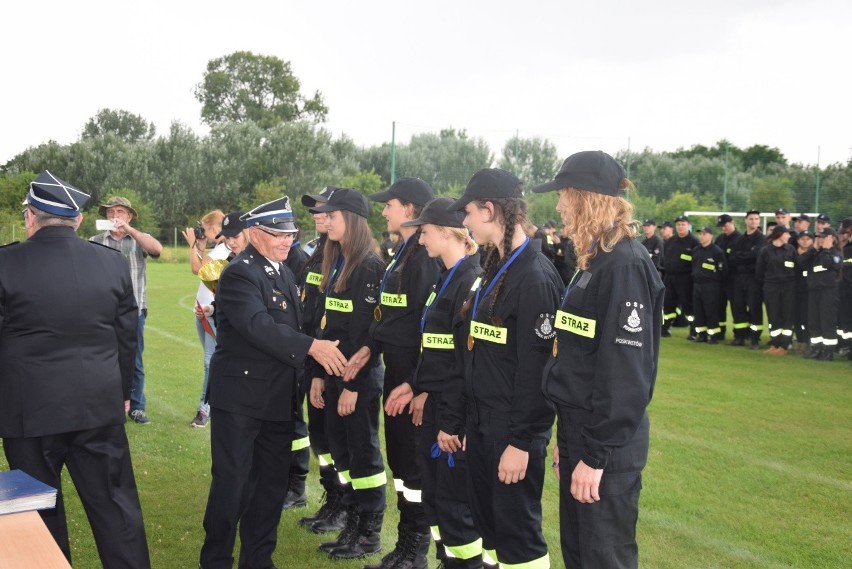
(277, 234)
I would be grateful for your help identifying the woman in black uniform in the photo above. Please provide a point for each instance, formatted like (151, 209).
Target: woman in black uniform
(435, 398)
(604, 364)
(351, 273)
(395, 333)
(511, 330)
(823, 280)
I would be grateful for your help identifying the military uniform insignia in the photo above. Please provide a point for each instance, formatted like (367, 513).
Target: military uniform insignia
(631, 316)
(370, 295)
(270, 272)
(544, 326)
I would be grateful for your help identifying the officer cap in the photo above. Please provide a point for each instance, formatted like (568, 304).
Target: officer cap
(55, 196)
(275, 216)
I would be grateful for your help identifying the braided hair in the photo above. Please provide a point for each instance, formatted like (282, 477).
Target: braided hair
(412, 247)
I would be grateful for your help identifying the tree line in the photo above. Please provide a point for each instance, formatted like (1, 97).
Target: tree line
(266, 139)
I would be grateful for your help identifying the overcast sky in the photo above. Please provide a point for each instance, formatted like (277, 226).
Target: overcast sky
(586, 75)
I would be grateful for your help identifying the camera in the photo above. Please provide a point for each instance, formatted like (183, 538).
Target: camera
(199, 231)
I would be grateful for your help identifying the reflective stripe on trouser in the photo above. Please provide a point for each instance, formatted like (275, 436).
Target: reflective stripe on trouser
(354, 442)
(822, 315)
(299, 444)
(507, 516)
(747, 307)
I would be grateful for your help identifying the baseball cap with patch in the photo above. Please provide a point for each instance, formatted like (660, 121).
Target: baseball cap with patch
(232, 225)
(408, 189)
(649, 221)
(723, 219)
(311, 200)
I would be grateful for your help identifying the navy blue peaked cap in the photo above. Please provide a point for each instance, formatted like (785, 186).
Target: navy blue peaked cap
(52, 195)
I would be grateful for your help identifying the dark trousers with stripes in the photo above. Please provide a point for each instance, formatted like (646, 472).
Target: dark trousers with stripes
(779, 298)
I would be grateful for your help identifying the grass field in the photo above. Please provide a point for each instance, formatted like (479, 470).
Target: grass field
(750, 464)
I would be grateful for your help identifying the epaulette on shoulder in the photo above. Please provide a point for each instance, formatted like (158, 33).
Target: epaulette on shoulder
(9, 244)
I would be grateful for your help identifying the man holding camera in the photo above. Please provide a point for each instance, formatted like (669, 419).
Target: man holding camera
(136, 246)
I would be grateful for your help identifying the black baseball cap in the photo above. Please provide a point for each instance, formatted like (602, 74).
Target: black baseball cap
(649, 221)
(311, 200)
(827, 232)
(823, 217)
(803, 217)
(846, 224)
(707, 229)
(490, 183)
(232, 225)
(437, 212)
(752, 212)
(723, 219)
(346, 199)
(591, 171)
(667, 224)
(782, 211)
(682, 218)
(409, 189)
(777, 231)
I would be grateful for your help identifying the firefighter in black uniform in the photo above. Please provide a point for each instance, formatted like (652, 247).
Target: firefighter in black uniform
(653, 243)
(747, 308)
(331, 515)
(823, 297)
(725, 242)
(708, 272)
(395, 334)
(260, 350)
(511, 329)
(436, 397)
(351, 272)
(804, 259)
(603, 367)
(845, 317)
(677, 262)
(776, 269)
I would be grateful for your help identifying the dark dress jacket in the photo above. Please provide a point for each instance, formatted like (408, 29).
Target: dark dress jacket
(68, 322)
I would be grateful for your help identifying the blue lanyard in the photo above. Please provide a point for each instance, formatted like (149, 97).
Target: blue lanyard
(569, 287)
(436, 453)
(335, 273)
(497, 276)
(392, 265)
(440, 292)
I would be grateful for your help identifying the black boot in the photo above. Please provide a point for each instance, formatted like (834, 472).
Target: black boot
(335, 518)
(415, 552)
(367, 540)
(667, 329)
(737, 342)
(329, 500)
(297, 497)
(826, 355)
(813, 352)
(702, 338)
(390, 560)
(346, 535)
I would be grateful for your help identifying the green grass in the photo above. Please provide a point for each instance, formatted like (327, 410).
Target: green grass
(750, 463)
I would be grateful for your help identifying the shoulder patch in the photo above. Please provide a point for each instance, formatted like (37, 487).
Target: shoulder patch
(631, 318)
(544, 326)
(371, 293)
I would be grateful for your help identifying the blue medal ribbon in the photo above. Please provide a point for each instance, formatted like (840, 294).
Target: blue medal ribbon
(440, 292)
(436, 453)
(392, 266)
(496, 278)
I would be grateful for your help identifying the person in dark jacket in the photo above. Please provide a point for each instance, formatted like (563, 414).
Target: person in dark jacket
(725, 241)
(805, 253)
(436, 396)
(844, 328)
(747, 307)
(603, 367)
(511, 315)
(776, 269)
(351, 276)
(653, 243)
(261, 346)
(677, 263)
(823, 279)
(709, 267)
(67, 349)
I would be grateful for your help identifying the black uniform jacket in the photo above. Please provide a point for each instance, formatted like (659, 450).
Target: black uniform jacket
(677, 255)
(441, 366)
(608, 334)
(402, 306)
(67, 335)
(512, 338)
(726, 242)
(825, 270)
(656, 250)
(776, 264)
(348, 315)
(708, 265)
(296, 259)
(744, 252)
(310, 280)
(261, 341)
(847, 266)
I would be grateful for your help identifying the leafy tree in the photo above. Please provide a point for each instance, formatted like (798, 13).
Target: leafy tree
(445, 160)
(533, 160)
(760, 154)
(368, 183)
(771, 193)
(124, 125)
(261, 88)
(680, 202)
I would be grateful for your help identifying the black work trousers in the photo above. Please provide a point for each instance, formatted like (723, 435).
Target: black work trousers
(779, 298)
(678, 294)
(706, 299)
(822, 317)
(601, 535)
(747, 308)
(99, 463)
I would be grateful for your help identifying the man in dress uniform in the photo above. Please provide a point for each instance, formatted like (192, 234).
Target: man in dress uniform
(67, 345)
(253, 391)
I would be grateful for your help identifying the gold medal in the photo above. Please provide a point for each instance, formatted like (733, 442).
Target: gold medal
(283, 305)
(302, 296)
(377, 313)
(322, 322)
(555, 346)
(470, 342)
